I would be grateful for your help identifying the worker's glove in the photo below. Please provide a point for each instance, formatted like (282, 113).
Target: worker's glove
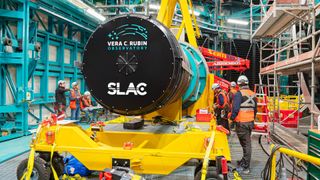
(232, 125)
(215, 106)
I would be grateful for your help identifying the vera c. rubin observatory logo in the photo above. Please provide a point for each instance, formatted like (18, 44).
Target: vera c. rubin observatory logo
(128, 37)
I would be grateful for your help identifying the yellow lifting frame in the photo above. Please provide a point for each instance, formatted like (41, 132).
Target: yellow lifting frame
(152, 153)
(299, 155)
(166, 13)
(174, 111)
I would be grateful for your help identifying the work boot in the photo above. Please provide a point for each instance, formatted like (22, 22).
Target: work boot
(243, 170)
(240, 163)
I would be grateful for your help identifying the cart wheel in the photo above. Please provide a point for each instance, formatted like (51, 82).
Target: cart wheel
(40, 169)
(57, 162)
(211, 174)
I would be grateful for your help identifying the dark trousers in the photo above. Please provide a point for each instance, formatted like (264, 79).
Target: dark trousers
(59, 108)
(223, 122)
(243, 131)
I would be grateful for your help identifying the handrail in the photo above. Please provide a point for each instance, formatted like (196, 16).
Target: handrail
(299, 155)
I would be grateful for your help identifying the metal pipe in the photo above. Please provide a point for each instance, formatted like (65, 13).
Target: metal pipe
(295, 65)
(65, 19)
(299, 84)
(234, 32)
(218, 25)
(267, 43)
(116, 6)
(312, 65)
(315, 112)
(291, 14)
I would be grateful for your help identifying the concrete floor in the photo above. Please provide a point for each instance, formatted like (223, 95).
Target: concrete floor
(259, 158)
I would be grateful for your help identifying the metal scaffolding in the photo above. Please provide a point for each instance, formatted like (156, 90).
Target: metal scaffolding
(40, 41)
(286, 31)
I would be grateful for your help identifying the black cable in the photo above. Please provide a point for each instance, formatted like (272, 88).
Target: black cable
(263, 173)
(266, 172)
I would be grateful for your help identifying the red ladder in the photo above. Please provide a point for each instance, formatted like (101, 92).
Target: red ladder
(261, 123)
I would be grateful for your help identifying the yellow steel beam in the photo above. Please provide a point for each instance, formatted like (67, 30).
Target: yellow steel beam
(166, 13)
(170, 12)
(194, 20)
(188, 23)
(163, 10)
(180, 30)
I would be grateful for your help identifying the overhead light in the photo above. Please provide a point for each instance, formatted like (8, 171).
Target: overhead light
(196, 13)
(237, 21)
(95, 14)
(88, 9)
(154, 6)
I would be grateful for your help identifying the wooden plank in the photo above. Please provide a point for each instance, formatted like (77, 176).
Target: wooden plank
(289, 62)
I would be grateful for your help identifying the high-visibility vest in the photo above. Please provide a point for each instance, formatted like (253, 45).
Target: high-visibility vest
(231, 94)
(246, 112)
(86, 102)
(73, 104)
(225, 100)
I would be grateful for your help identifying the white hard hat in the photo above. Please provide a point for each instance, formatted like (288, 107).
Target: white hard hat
(87, 93)
(61, 82)
(243, 80)
(233, 84)
(74, 84)
(215, 86)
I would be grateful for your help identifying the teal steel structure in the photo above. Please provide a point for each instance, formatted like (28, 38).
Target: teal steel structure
(40, 41)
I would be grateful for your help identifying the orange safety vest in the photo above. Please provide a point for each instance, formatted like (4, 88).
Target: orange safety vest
(73, 104)
(231, 94)
(246, 112)
(86, 102)
(225, 99)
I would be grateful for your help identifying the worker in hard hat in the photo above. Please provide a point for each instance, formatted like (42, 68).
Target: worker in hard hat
(60, 104)
(232, 91)
(87, 103)
(221, 107)
(75, 101)
(244, 110)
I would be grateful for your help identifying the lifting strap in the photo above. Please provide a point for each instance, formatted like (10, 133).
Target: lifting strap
(28, 173)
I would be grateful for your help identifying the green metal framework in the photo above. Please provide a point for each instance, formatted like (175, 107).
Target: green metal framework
(40, 41)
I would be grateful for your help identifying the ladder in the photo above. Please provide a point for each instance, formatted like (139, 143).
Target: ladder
(261, 123)
(272, 83)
